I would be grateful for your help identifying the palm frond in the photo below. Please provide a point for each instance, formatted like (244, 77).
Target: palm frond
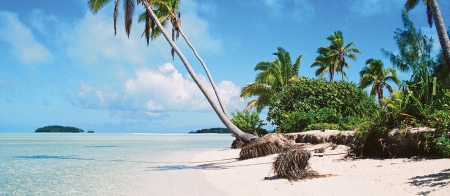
(410, 4)
(95, 5)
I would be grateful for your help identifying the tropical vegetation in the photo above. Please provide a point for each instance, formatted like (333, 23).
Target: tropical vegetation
(212, 130)
(58, 129)
(374, 74)
(434, 14)
(299, 103)
(249, 121)
(319, 104)
(331, 59)
(272, 78)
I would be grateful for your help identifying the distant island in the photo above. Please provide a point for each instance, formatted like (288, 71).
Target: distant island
(212, 130)
(58, 129)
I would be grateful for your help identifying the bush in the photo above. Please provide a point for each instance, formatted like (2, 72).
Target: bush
(314, 101)
(248, 122)
(443, 145)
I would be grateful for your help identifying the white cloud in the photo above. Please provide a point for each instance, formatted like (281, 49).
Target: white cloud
(94, 42)
(151, 93)
(374, 7)
(22, 41)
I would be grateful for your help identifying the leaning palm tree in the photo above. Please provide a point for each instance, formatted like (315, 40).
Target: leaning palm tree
(334, 55)
(271, 79)
(374, 74)
(168, 11)
(434, 14)
(158, 6)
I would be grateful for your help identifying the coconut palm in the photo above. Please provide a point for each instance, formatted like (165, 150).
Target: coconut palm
(157, 6)
(170, 11)
(374, 74)
(325, 64)
(434, 14)
(271, 79)
(332, 58)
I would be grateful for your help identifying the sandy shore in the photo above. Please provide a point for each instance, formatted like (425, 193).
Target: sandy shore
(222, 169)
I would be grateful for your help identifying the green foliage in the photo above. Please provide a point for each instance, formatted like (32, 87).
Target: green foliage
(374, 75)
(331, 58)
(323, 126)
(443, 145)
(212, 130)
(312, 101)
(272, 77)
(248, 122)
(423, 100)
(59, 129)
(440, 120)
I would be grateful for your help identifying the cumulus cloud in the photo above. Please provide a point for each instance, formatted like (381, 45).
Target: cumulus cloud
(152, 93)
(22, 41)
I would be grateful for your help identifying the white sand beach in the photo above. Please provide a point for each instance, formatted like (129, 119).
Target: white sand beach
(223, 170)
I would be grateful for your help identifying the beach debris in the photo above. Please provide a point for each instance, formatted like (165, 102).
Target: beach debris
(268, 144)
(293, 164)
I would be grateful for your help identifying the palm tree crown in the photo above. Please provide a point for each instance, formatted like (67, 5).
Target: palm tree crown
(332, 58)
(271, 79)
(374, 74)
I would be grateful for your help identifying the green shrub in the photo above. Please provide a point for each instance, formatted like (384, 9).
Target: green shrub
(443, 145)
(313, 101)
(248, 122)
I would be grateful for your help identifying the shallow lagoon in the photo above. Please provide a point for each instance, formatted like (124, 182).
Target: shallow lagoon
(102, 164)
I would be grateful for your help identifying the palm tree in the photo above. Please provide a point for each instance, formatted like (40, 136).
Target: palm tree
(332, 58)
(374, 74)
(272, 79)
(159, 6)
(170, 10)
(434, 14)
(326, 65)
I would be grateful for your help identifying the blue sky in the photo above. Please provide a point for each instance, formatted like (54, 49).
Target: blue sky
(62, 65)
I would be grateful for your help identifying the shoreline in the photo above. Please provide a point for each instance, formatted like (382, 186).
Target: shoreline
(222, 169)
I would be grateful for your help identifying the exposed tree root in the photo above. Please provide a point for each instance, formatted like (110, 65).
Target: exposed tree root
(263, 146)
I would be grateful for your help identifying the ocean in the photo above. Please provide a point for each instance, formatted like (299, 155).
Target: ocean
(102, 164)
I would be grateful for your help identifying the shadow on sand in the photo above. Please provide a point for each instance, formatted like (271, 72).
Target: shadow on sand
(440, 179)
(206, 165)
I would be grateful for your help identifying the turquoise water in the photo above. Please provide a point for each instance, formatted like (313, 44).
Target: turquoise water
(99, 164)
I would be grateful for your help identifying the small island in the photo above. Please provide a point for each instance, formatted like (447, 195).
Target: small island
(212, 130)
(59, 129)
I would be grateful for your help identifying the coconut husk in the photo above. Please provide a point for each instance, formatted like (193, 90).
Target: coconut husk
(263, 146)
(293, 164)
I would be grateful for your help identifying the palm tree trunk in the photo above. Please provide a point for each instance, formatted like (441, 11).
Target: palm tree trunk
(207, 72)
(380, 94)
(441, 30)
(226, 121)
